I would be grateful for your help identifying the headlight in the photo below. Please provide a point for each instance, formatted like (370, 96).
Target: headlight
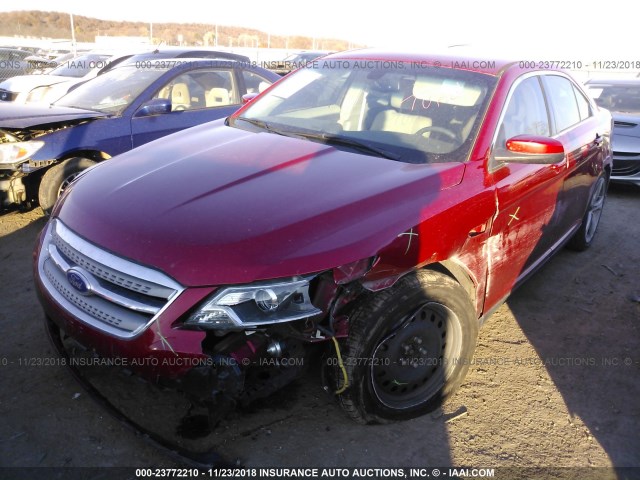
(37, 94)
(256, 304)
(18, 152)
(50, 94)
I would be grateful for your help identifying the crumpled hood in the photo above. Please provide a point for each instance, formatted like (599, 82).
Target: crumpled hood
(27, 116)
(626, 133)
(217, 205)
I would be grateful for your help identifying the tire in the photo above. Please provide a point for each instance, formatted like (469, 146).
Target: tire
(57, 178)
(583, 238)
(409, 348)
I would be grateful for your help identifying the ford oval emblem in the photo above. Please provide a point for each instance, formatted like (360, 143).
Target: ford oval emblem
(79, 281)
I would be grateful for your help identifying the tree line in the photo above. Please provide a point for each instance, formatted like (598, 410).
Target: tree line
(57, 25)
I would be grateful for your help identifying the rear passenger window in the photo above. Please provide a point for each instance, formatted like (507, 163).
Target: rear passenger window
(564, 105)
(583, 104)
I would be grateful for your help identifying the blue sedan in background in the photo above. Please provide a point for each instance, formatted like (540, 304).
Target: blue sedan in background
(42, 149)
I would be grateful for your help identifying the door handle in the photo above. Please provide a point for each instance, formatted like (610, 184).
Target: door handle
(478, 229)
(598, 140)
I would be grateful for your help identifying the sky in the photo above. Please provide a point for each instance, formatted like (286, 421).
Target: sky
(530, 30)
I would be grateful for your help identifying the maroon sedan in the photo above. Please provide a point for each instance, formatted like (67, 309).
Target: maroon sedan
(380, 205)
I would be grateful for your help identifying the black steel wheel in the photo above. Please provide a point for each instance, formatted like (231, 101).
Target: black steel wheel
(409, 365)
(409, 348)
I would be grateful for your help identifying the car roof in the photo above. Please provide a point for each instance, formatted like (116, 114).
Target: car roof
(312, 52)
(187, 53)
(485, 64)
(183, 63)
(625, 82)
(187, 63)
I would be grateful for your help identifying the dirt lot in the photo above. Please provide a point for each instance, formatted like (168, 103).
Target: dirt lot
(555, 382)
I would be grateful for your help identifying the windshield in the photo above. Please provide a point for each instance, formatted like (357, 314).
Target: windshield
(113, 91)
(617, 98)
(416, 115)
(80, 66)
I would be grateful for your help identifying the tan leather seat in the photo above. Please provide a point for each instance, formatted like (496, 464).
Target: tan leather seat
(217, 97)
(164, 92)
(180, 97)
(395, 120)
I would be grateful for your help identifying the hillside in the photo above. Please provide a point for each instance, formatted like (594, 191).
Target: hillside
(57, 25)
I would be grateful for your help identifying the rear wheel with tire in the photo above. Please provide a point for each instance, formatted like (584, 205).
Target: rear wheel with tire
(57, 178)
(583, 238)
(409, 348)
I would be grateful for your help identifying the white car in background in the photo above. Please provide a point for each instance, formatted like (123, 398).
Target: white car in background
(48, 88)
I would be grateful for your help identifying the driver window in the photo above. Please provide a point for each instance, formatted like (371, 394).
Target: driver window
(526, 113)
(200, 89)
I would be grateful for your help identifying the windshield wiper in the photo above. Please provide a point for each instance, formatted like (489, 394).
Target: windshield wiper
(265, 126)
(324, 138)
(349, 142)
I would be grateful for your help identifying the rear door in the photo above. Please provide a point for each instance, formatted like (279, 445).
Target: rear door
(576, 126)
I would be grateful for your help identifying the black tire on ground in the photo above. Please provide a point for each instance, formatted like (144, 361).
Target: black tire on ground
(409, 348)
(583, 238)
(57, 178)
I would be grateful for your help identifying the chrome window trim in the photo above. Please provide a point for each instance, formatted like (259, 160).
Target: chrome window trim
(492, 165)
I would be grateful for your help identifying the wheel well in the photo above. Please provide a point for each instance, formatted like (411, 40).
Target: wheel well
(34, 179)
(458, 273)
(90, 154)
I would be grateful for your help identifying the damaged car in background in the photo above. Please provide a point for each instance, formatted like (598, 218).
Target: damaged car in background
(43, 148)
(379, 206)
(49, 87)
(13, 62)
(622, 98)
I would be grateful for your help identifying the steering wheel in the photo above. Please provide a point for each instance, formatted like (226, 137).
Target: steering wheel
(179, 108)
(434, 128)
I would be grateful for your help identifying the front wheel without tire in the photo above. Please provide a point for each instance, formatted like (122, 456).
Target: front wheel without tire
(409, 348)
(58, 178)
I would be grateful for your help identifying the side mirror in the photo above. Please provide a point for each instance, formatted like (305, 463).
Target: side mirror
(246, 98)
(531, 149)
(154, 107)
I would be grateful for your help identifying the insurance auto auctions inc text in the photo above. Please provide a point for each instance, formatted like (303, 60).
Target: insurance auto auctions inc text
(370, 473)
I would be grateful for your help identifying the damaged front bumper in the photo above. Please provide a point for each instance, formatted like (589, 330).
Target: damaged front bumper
(118, 308)
(141, 317)
(204, 459)
(14, 188)
(16, 162)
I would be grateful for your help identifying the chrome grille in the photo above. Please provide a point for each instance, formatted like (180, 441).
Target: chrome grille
(109, 274)
(121, 298)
